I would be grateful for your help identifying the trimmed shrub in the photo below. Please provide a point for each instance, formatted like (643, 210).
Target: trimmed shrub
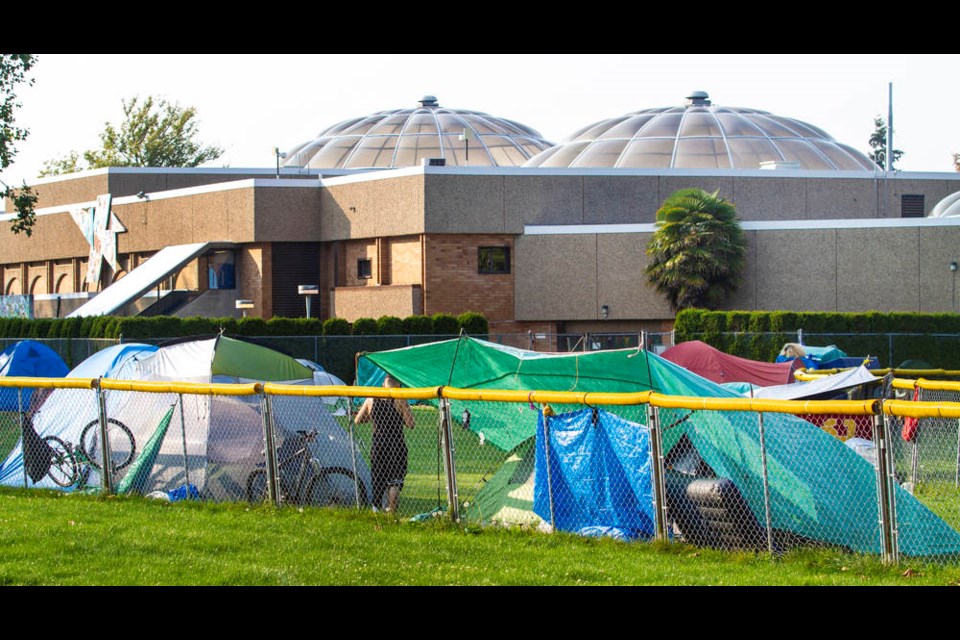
(336, 327)
(389, 326)
(365, 327)
(444, 324)
(417, 325)
(473, 323)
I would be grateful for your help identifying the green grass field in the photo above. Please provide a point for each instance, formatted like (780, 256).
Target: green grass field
(52, 538)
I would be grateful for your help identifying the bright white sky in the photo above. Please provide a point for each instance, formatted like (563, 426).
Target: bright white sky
(249, 104)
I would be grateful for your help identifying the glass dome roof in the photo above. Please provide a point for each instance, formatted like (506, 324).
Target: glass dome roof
(949, 207)
(404, 137)
(701, 135)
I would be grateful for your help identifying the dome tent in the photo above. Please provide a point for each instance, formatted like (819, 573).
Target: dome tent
(31, 359)
(214, 442)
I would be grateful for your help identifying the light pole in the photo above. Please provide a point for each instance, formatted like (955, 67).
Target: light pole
(279, 154)
(953, 293)
(308, 291)
(243, 305)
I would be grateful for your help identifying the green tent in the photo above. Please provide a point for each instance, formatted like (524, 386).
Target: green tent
(819, 488)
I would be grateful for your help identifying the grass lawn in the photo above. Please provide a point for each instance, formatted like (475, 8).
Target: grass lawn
(50, 538)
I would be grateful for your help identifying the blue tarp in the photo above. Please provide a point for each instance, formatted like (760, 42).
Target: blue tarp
(30, 359)
(599, 473)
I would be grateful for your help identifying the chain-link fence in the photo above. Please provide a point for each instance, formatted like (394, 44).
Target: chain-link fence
(717, 472)
(72, 350)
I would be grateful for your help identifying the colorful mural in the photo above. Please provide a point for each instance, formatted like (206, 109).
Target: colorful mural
(16, 306)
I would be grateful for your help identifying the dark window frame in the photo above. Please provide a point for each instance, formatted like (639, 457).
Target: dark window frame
(487, 260)
(364, 268)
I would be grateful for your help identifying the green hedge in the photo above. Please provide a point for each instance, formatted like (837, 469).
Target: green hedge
(759, 335)
(137, 327)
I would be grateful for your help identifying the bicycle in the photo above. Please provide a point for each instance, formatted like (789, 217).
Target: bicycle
(312, 483)
(71, 464)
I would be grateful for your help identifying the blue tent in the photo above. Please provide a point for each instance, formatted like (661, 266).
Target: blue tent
(28, 359)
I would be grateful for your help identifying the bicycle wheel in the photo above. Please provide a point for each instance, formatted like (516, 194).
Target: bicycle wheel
(335, 487)
(63, 468)
(257, 486)
(123, 447)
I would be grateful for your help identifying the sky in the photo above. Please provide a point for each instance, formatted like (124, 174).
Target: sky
(248, 104)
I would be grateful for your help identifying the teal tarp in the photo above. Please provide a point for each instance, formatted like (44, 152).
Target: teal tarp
(820, 488)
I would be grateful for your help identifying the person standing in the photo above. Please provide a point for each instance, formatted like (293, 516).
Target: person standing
(388, 450)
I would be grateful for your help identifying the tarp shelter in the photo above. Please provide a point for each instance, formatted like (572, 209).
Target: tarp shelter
(717, 366)
(213, 442)
(28, 359)
(823, 388)
(813, 477)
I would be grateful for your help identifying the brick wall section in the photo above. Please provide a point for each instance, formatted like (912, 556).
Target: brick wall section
(353, 251)
(255, 278)
(400, 300)
(452, 284)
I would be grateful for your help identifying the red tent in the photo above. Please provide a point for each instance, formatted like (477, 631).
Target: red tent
(720, 367)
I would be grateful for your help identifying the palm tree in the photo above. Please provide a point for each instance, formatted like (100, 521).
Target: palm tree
(698, 250)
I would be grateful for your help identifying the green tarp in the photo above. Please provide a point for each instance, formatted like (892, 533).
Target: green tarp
(820, 488)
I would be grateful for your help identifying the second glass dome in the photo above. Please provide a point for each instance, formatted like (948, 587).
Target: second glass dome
(405, 137)
(701, 135)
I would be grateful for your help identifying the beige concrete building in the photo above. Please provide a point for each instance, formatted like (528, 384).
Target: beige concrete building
(538, 247)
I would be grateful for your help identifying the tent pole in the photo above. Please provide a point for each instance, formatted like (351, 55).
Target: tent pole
(22, 440)
(270, 449)
(766, 483)
(659, 489)
(106, 473)
(446, 438)
(546, 444)
(353, 452)
(183, 432)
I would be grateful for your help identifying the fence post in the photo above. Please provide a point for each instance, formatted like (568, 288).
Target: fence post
(183, 434)
(766, 484)
(546, 452)
(446, 442)
(22, 426)
(884, 493)
(269, 449)
(890, 342)
(659, 490)
(353, 453)
(106, 473)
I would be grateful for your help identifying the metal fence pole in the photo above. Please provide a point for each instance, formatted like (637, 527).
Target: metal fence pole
(106, 473)
(23, 424)
(183, 433)
(353, 453)
(884, 493)
(449, 467)
(270, 449)
(957, 473)
(659, 489)
(766, 484)
(890, 342)
(546, 445)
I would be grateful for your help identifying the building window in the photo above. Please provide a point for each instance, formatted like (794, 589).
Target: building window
(911, 205)
(364, 268)
(493, 260)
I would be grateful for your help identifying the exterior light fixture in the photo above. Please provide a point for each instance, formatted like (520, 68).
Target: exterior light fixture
(308, 291)
(953, 266)
(279, 154)
(605, 312)
(243, 305)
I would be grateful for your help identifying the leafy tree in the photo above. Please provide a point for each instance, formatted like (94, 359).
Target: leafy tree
(878, 142)
(697, 253)
(70, 163)
(154, 133)
(13, 71)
